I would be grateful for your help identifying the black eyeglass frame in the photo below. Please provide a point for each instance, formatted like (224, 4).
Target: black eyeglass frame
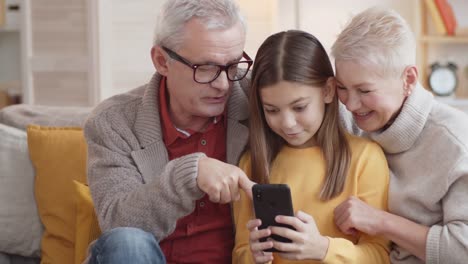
(221, 68)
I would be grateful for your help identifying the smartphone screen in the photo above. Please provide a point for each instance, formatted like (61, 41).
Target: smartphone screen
(269, 201)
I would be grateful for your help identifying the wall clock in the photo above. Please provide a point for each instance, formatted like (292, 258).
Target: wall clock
(443, 78)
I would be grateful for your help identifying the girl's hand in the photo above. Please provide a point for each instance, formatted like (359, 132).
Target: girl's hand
(354, 214)
(256, 246)
(307, 242)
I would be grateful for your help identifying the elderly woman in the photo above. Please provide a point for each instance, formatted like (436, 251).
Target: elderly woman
(425, 142)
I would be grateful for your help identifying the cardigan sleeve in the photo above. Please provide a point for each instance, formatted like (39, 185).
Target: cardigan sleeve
(372, 176)
(121, 195)
(447, 242)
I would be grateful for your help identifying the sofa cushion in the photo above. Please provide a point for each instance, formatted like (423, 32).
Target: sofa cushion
(20, 227)
(87, 227)
(59, 157)
(22, 115)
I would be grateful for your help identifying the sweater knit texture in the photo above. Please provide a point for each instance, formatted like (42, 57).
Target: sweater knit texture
(427, 151)
(132, 181)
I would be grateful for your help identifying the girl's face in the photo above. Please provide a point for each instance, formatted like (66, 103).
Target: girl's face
(295, 111)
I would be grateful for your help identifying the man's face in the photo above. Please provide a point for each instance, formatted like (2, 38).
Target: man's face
(373, 100)
(188, 99)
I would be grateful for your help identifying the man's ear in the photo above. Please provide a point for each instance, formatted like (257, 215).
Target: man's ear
(329, 90)
(410, 79)
(159, 60)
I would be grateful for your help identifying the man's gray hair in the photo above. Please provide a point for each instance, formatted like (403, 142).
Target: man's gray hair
(214, 14)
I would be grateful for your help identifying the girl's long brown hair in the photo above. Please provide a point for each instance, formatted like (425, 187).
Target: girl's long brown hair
(299, 57)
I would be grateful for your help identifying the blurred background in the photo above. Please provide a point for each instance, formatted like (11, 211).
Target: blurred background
(79, 52)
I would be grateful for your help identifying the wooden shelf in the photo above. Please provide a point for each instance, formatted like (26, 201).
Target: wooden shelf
(428, 41)
(445, 39)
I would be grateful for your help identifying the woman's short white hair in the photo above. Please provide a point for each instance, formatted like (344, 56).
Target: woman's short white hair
(380, 37)
(214, 14)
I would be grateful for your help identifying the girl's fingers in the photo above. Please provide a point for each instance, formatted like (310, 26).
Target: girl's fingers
(285, 247)
(263, 257)
(258, 234)
(254, 223)
(261, 246)
(285, 232)
(290, 220)
(304, 217)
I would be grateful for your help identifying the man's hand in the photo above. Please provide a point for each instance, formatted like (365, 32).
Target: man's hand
(221, 181)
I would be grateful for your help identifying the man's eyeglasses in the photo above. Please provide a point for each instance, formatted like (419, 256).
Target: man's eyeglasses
(206, 73)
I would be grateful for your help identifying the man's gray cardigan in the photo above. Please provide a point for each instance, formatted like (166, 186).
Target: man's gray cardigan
(132, 181)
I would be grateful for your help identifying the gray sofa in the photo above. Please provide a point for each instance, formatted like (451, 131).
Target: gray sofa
(20, 227)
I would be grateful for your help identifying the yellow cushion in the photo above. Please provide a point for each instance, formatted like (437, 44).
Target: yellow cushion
(59, 157)
(87, 227)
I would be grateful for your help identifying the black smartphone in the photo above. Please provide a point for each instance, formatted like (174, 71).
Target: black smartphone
(269, 201)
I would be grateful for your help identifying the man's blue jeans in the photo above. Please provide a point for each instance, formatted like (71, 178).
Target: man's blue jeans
(126, 245)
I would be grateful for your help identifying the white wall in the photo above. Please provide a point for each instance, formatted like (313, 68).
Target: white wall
(10, 67)
(57, 56)
(113, 50)
(128, 30)
(133, 25)
(122, 44)
(265, 17)
(10, 54)
(460, 8)
(326, 19)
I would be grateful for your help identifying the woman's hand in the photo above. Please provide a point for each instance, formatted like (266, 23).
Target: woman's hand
(257, 247)
(307, 242)
(354, 214)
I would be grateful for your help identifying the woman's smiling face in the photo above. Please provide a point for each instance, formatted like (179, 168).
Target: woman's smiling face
(374, 101)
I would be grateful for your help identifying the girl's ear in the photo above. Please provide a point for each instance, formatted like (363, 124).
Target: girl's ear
(159, 60)
(329, 90)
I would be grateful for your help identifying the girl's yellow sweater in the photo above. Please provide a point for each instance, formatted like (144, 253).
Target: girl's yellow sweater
(304, 171)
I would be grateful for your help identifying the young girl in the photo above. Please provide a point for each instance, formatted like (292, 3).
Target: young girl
(296, 139)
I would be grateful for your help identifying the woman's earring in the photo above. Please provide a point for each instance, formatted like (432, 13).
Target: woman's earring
(407, 92)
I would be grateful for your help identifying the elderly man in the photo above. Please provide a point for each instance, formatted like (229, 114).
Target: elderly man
(162, 157)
